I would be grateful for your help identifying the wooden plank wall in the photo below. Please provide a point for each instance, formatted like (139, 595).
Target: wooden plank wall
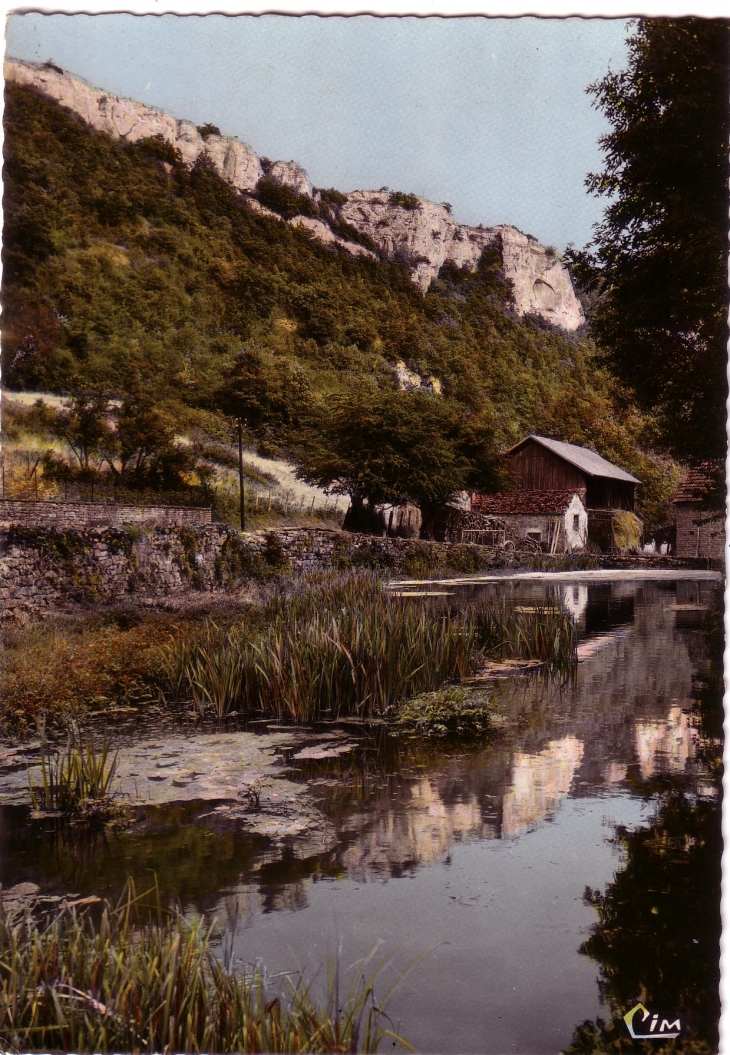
(535, 467)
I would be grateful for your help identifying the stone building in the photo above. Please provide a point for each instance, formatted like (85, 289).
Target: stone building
(556, 520)
(699, 504)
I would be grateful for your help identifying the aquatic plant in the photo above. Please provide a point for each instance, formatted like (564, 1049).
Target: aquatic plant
(341, 644)
(121, 982)
(449, 712)
(545, 633)
(76, 780)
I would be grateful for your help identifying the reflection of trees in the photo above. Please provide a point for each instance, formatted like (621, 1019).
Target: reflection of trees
(187, 861)
(658, 931)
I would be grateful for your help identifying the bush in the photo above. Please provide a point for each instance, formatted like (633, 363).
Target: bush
(282, 199)
(157, 147)
(404, 201)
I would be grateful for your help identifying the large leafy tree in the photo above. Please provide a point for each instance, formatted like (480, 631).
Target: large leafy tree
(660, 254)
(379, 445)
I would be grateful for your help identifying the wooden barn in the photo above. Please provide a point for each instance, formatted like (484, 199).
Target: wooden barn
(539, 463)
(699, 504)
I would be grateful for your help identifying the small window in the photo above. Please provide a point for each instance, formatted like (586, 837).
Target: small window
(536, 536)
(576, 522)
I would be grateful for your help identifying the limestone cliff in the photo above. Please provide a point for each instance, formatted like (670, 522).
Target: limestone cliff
(125, 119)
(417, 232)
(425, 236)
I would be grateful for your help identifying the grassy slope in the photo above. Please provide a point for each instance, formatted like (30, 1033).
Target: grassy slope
(121, 264)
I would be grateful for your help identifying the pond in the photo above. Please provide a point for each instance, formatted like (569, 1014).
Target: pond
(552, 876)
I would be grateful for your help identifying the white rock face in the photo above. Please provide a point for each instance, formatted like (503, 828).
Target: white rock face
(131, 121)
(289, 174)
(409, 379)
(540, 282)
(424, 238)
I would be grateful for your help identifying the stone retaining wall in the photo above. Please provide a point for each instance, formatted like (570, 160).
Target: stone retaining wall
(44, 569)
(78, 516)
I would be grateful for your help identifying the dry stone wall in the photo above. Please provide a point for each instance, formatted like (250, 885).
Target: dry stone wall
(44, 569)
(78, 516)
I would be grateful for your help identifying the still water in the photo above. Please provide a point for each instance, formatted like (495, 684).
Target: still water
(483, 857)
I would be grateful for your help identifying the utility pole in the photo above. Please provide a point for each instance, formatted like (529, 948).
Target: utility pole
(239, 423)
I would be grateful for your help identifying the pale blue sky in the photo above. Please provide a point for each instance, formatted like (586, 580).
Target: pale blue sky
(489, 114)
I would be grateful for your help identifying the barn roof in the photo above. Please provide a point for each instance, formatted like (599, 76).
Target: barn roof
(514, 503)
(701, 483)
(581, 457)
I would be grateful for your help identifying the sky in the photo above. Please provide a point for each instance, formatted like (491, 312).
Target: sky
(489, 114)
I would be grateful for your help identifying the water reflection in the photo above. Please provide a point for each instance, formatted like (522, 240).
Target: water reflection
(489, 847)
(538, 783)
(659, 923)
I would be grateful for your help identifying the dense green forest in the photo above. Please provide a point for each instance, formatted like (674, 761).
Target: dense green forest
(127, 274)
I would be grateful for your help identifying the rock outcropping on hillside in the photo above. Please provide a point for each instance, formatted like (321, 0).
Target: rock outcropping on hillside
(418, 232)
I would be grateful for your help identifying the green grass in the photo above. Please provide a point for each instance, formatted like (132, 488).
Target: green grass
(121, 981)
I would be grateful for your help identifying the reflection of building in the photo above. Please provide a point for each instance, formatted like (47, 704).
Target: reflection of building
(539, 782)
(666, 745)
(575, 600)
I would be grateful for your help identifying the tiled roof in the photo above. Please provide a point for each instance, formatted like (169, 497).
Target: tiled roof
(546, 503)
(587, 461)
(701, 483)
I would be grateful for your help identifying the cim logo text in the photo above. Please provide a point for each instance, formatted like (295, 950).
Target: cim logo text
(652, 1026)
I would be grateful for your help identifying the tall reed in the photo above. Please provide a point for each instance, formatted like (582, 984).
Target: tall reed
(74, 780)
(545, 633)
(122, 983)
(341, 644)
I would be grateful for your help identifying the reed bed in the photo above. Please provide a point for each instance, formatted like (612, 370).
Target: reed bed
(546, 633)
(340, 644)
(118, 982)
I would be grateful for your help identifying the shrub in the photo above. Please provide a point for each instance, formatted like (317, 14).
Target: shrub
(282, 199)
(404, 201)
(157, 147)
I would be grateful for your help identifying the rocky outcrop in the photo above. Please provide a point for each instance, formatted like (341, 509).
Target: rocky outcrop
(407, 379)
(131, 121)
(415, 231)
(291, 175)
(425, 237)
(323, 233)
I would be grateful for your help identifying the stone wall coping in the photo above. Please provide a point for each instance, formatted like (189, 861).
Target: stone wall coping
(43, 503)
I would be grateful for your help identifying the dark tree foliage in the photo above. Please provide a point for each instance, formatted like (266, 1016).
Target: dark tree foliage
(661, 250)
(380, 445)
